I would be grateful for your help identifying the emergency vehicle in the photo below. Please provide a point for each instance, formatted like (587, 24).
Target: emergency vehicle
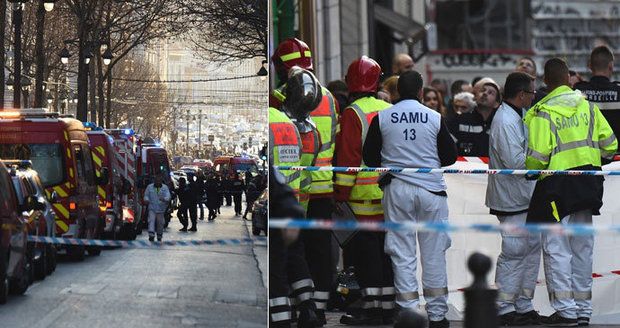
(110, 194)
(152, 159)
(230, 165)
(15, 260)
(124, 143)
(59, 151)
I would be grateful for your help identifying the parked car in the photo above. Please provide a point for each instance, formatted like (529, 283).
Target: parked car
(16, 272)
(259, 214)
(41, 218)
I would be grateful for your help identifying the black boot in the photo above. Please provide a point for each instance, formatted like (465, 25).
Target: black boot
(307, 316)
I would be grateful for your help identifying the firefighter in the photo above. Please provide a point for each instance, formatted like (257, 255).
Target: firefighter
(361, 193)
(157, 197)
(288, 264)
(294, 52)
(566, 132)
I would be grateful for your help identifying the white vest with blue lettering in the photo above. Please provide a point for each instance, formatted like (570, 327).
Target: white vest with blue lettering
(409, 131)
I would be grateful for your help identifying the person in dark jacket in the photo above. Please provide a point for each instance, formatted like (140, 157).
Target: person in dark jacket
(195, 190)
(226, 188)
(200, 182)
(184, 194)
(254, 188)
(212, 188)
(237, 187)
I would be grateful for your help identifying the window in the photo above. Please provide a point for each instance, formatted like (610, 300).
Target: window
(46, 159)
(491, 24)
(84, 164)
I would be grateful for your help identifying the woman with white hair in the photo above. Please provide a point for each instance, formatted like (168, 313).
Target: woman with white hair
(463, 102)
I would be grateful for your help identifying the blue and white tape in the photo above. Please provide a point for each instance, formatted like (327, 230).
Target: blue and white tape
(147, 244)
(572, 229)
(445, 170)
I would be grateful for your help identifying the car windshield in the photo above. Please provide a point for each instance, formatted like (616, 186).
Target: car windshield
(46, 160)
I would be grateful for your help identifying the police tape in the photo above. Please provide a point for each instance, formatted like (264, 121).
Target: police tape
(352, 169)
(555, 228)
(259, 240)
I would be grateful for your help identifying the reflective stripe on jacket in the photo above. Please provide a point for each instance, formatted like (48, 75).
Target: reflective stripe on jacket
(566, 132)
(285, 146)
(365, 190)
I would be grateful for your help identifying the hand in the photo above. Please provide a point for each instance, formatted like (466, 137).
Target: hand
(289, 236)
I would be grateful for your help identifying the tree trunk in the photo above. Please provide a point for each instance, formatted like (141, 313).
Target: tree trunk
(2, 58)
(108, 98)
(39, 100)
(100, 106)
(92, 83)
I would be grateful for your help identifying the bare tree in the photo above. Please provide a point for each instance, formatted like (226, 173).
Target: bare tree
(228, 29)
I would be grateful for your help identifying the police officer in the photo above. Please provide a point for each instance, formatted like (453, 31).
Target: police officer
(566, 132)
(213, 196)
(236, 189)
(185, 194)
(600, 90)
(294, 52)
(286, 129)
(508, 197)
(360, 191)
(410, 134)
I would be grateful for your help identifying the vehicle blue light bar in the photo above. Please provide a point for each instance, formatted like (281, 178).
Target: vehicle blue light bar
(128, 132)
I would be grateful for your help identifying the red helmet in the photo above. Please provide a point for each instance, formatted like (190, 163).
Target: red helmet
(363, 75)
(292, 52)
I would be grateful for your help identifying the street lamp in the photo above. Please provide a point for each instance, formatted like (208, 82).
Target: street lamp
(48, 5)
(64, 55)
(107, 56)
(262, 72)
(10, 82)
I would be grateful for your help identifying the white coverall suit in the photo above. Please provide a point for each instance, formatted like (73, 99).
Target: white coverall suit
(415, 198)
(508, 197)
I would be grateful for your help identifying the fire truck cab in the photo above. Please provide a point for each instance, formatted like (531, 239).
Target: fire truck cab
(59, 150)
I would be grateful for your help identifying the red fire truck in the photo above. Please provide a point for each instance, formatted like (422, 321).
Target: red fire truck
(59, 151)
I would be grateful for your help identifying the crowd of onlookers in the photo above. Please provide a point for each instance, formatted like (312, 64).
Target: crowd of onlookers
(468, 107)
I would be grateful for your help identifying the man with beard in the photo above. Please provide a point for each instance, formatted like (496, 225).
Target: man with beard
(471, 130)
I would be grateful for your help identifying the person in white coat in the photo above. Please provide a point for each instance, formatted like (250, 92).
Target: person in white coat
(508, 197)
(410, 134)
(157, 197)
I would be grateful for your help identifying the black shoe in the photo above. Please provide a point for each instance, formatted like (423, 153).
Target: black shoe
(201, 219)
(389, 317)
(534, 317)
(159, 239)
(192, 229)
(556, 320)
(439, 324)
(583, 321)
(184, 229)
(307, 318)
(151, 238)
(361, 320)
(320, 315)
(514, 319)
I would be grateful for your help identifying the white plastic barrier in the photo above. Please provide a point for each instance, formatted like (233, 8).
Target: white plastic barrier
(466, 196)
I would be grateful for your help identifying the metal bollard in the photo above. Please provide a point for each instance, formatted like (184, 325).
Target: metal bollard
(480, 309)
